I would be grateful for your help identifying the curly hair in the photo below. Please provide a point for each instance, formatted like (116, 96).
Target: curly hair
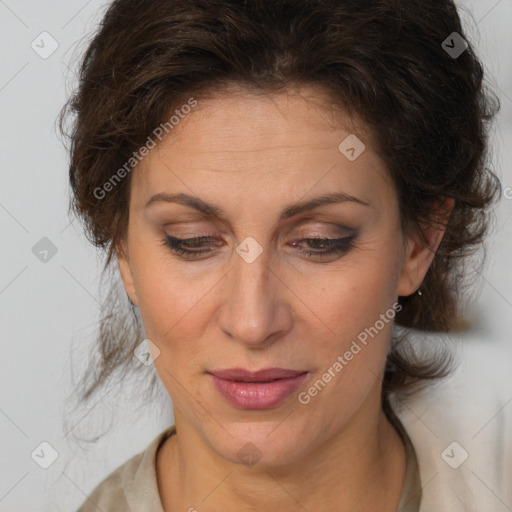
(385, 61)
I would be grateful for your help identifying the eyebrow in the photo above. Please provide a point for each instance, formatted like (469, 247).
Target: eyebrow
(289, 211)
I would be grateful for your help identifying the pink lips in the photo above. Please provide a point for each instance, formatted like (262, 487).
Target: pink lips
(263, 389)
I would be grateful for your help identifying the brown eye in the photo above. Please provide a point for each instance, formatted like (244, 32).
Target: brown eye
(184, 247)
(328, 246)
(319, 247)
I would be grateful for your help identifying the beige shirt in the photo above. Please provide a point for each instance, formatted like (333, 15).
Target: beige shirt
(133, 486)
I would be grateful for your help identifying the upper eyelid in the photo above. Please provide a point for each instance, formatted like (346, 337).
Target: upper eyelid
(316, 236)
(306, 219)
(213, 239)
(334, 246)
(339, 230)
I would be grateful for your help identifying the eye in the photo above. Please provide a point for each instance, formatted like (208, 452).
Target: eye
(194, 248)
(176, 245)
(330, 245)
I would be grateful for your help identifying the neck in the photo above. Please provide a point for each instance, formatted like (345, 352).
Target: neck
(362, 468)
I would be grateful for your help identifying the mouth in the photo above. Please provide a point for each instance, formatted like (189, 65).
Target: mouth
(263, 389)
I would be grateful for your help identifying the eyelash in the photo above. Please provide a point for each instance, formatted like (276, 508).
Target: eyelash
(338, 245)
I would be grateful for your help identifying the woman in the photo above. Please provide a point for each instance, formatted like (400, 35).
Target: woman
(283, 186)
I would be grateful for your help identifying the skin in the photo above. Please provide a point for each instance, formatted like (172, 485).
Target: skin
(252, 155)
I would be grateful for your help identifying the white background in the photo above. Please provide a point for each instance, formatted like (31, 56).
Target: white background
(50, 308)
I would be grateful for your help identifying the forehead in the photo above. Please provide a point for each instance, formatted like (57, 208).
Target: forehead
(263, 121)
(245, 142)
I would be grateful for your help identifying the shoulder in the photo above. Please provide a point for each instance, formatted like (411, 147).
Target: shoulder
(132, 486)
(461, 430)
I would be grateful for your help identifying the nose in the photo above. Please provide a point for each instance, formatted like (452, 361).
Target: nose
(254, 311)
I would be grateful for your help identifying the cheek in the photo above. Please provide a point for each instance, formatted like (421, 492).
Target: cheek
(350, 355)
(172, 307)
(353, 297)
(356, 307)
(168, 294)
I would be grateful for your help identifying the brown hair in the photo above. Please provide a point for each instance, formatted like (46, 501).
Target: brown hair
(382, 60)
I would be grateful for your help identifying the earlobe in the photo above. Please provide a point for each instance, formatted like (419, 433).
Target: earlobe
(420, 254)
(417, 259)
(126, 275)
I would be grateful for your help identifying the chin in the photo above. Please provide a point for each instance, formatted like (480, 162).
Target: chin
(262, 444)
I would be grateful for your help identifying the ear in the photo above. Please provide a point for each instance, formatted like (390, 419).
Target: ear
(123, 262)
(418, 255)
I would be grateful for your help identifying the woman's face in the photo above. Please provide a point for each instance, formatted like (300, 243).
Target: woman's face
(260, 295)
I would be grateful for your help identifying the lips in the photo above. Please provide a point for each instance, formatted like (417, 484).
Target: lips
(265, 375)
(263, 389)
